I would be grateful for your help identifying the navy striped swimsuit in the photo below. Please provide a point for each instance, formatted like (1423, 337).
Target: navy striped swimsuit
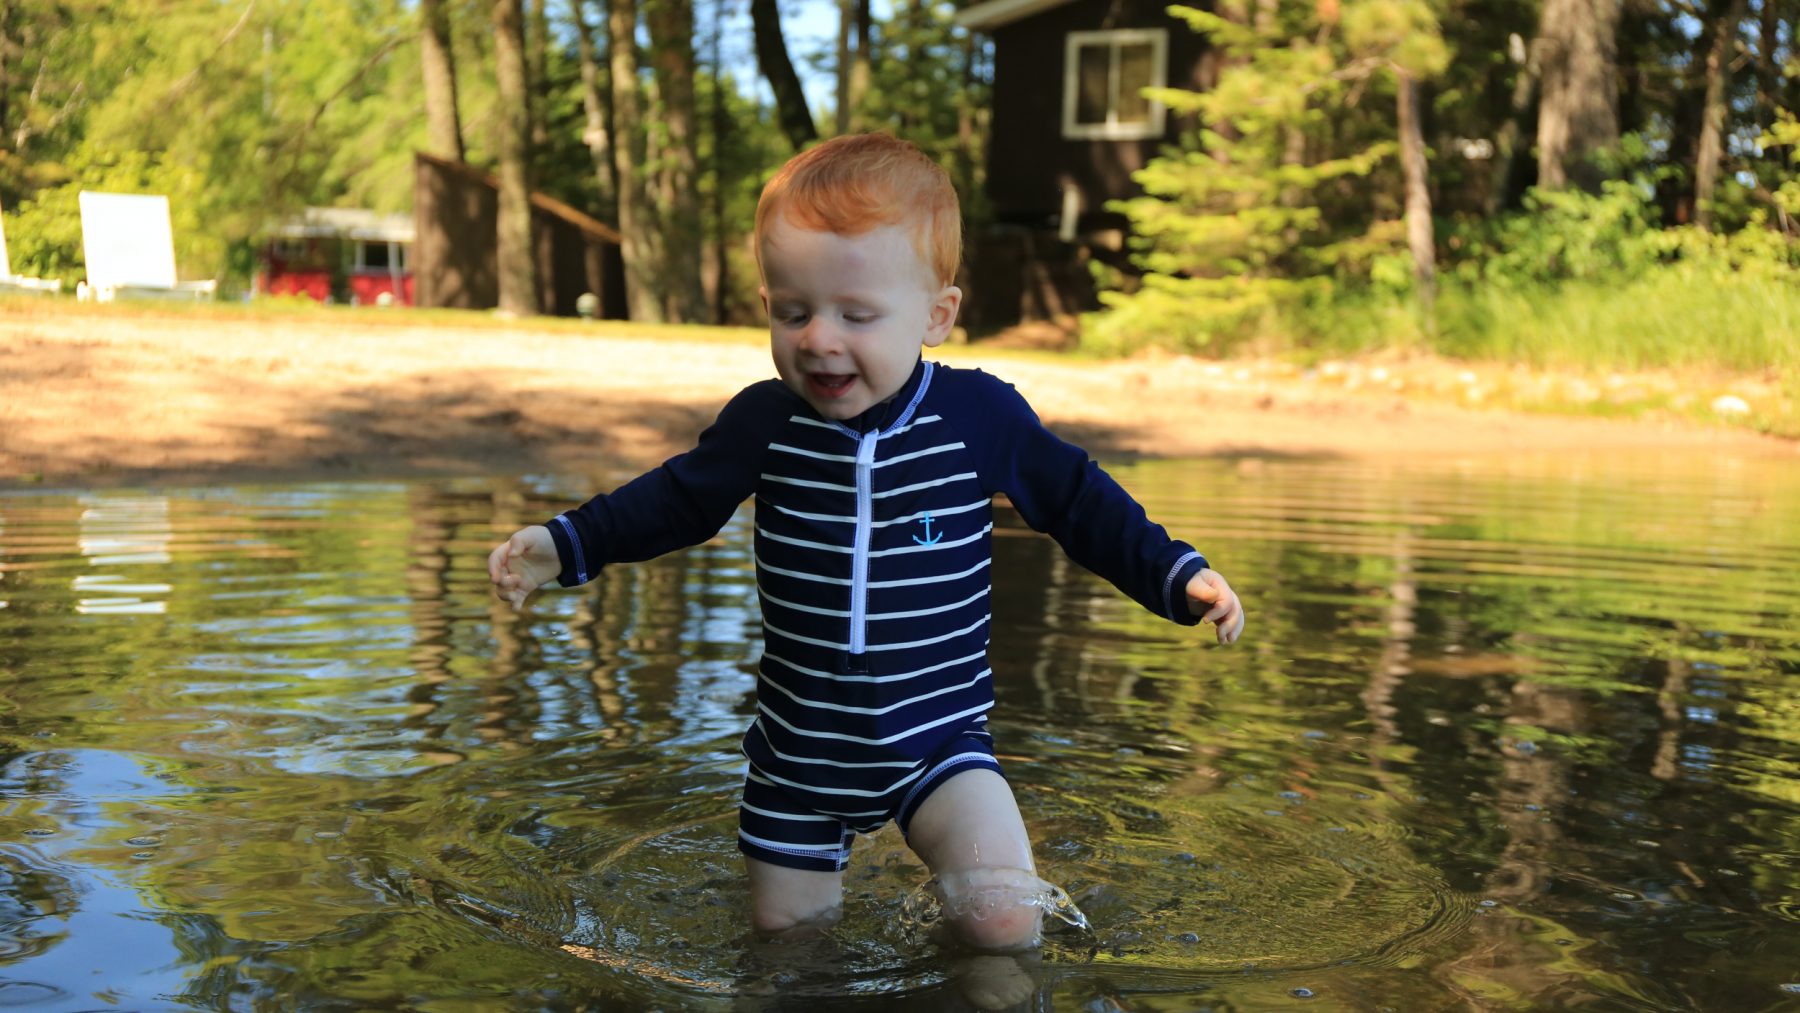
(872, 564)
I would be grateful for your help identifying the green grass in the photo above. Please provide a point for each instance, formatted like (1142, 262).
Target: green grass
(1671, 318)
(1720, 329)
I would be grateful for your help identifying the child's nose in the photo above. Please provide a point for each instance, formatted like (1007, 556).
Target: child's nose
(819, 337)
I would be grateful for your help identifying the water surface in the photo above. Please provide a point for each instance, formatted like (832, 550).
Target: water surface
(1502, 734)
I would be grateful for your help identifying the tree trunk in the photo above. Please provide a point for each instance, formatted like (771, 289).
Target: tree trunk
(672, 38)
(537, 68)
(772, 60)
(967, 157)
(513, 248)
(846, 29)
(1712, 116)
(639, 249)
(721, 129)
(1418, 191)
(596, 102)
(1508, 177)
(1768, 65)
(6, 51)
(1578, 112)
(862, 69)
(443, 125)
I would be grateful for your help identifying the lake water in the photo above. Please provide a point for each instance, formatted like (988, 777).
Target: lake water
(1518, 734)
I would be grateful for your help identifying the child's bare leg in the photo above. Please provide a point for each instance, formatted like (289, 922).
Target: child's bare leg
(791, 903)
(971, 835)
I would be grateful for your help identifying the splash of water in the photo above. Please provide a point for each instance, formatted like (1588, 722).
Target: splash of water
(982, 892)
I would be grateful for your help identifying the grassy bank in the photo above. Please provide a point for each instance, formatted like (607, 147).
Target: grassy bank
(1696, 342)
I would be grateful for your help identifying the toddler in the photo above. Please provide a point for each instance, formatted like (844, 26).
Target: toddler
(873, 473)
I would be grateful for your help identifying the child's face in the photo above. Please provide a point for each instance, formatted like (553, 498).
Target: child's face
(847, 314)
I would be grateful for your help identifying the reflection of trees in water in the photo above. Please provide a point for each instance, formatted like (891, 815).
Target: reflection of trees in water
(613, 677)
(428, 602)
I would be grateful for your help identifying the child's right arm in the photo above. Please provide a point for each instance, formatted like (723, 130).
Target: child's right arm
(682, 502)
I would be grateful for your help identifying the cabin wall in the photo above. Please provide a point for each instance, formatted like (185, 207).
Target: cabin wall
(454, 262)
(1019, 267)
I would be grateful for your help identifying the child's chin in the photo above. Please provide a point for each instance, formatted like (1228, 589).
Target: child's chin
(838, 409)
(837, 413)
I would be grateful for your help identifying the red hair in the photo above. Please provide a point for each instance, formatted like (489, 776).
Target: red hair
(857, 182)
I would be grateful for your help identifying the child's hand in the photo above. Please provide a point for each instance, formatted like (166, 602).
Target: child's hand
(522, 564)
(1213, 600)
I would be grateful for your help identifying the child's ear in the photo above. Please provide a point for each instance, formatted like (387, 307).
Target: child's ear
(762, 292)
(943, 315)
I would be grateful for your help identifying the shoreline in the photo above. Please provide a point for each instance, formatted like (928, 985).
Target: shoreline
(114, 399)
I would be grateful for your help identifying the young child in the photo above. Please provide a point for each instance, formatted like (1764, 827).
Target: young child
(873, 472)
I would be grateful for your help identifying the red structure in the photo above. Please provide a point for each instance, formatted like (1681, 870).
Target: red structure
(346, 255)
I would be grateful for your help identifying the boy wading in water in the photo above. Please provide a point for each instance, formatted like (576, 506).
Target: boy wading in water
(873, 473)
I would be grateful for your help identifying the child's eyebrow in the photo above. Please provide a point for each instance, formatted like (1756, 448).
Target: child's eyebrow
(840, 298)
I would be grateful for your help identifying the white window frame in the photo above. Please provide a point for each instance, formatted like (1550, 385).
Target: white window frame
(1112, 130)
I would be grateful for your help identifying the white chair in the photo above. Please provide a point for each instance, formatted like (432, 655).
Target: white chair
(130, 249)
(10, 282)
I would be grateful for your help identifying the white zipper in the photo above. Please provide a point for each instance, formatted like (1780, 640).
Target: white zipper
(859, 553)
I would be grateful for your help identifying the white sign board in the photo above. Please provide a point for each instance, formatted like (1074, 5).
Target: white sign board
(127, 240)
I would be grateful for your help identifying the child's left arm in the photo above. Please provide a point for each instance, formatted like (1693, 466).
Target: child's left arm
(1058, 490)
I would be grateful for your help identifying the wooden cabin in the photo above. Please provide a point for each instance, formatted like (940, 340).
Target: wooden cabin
(455, 210)
(1069, 127)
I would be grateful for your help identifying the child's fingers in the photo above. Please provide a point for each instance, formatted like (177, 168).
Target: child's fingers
(1232, 628)
(497, 561)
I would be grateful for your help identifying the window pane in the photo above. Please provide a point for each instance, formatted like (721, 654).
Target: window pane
(375, 256)
(1137, 62)
(1092, 68)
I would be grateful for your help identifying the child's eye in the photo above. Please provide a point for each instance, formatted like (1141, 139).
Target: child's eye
(860, 318)
(792, 319)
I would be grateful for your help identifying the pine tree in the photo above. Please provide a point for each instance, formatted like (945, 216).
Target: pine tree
(1270, 197)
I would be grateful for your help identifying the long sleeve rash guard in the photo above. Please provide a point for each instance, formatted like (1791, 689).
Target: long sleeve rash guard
(873, 549)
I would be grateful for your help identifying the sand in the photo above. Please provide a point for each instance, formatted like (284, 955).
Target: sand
(110, 399)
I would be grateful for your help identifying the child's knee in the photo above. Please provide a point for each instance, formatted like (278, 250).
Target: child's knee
(1000, 928)
(993, 909)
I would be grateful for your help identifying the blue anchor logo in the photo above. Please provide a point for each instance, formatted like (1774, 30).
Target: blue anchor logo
(929, 539)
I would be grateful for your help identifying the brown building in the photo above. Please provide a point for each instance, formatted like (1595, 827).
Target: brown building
(455, 207)
(1070, 126)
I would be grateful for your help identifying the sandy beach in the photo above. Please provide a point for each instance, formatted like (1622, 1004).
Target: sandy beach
(98, 399)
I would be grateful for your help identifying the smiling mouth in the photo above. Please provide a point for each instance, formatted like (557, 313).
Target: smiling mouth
(830, 385)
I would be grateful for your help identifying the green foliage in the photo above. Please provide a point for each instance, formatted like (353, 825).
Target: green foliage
(241, 114)
(1244, 245)
(1784, 133)
(922, 88)
(44, 233)
(1282, 191)
(1565, 235)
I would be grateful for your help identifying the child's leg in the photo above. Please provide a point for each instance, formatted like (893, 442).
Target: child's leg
(787, 903)
(970, 833)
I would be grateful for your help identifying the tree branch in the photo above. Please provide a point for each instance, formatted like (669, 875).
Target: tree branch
(187, 81)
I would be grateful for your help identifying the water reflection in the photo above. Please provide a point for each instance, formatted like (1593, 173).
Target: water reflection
(1514, 734)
